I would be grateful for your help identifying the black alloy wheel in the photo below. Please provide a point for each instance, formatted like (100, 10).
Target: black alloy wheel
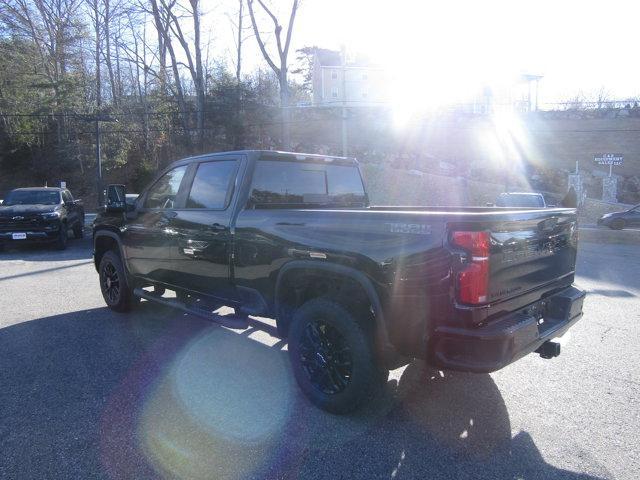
(110, 283)
(326, 357)
(114, 284)
(332, 354)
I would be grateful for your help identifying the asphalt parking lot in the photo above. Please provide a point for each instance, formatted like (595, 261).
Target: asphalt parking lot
(87, 393)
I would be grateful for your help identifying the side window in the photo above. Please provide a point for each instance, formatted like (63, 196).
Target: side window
(211, 186)
(163, 193)
(282, 182)
(66, 196)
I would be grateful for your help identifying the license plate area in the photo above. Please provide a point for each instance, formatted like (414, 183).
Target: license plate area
(19, 236)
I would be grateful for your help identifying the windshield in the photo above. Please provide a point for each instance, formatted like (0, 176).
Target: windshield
(32, 197)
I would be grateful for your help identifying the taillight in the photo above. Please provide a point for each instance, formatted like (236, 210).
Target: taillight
(473, 279)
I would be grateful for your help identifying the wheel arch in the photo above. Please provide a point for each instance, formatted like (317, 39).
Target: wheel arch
(103, 241)
(327, 271)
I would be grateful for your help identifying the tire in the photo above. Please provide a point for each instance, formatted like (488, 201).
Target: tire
(333, 357)
(617, 224)
(114, 284)
(61, 241)
(78, 230)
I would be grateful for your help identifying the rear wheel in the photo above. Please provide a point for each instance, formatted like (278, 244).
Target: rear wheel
(332, 357)
(113, 283)
(617, 224)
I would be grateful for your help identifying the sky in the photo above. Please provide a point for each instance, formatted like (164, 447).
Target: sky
(442, 50)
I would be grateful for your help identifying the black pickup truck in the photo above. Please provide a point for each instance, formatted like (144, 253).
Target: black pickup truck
(356, 289)
(40, 214)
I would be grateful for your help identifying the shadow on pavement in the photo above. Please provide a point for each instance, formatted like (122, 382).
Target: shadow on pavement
(76, 249)
(157, 394)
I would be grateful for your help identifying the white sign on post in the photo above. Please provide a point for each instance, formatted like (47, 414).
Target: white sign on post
(608, 158)
(63, 184)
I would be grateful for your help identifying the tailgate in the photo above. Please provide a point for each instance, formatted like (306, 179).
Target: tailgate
(532, 253)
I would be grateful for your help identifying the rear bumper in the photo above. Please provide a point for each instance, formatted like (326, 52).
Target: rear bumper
(505, 340)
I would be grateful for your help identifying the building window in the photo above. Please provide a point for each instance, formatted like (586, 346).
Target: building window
(364, 95)
(334, 75)
(365, 76)
(334, 92)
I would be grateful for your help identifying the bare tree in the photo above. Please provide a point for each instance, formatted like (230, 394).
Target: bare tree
(602, 97)
(194, 58)
(279, 68)
(53, 28)
(108, 17)
(162, 20)
(96, 18)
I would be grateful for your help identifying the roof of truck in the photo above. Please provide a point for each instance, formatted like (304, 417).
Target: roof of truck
(269, 153)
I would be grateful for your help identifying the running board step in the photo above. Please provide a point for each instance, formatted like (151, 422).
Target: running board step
(225, 321)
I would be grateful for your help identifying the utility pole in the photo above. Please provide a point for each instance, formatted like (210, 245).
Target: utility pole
(96, 119)
(343, 52)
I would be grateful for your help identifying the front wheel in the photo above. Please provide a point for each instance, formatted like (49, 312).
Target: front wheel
(332, 357)
(113, 283)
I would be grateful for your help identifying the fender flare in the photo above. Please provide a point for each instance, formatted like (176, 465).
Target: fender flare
(382, 337)
(108, 233)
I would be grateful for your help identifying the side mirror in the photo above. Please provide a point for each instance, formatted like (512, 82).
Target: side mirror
(116, 199)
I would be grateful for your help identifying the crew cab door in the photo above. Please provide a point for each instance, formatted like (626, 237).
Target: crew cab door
(150, 242)
(203, 227)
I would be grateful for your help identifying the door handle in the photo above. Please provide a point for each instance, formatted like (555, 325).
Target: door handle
(217, 227)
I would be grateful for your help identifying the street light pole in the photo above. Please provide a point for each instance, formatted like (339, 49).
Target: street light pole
(97, 118)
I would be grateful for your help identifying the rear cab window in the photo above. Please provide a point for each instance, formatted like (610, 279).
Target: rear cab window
(289, 183)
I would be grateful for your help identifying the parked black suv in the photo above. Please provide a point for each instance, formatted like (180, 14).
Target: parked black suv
(356, 289)
(40, 215)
